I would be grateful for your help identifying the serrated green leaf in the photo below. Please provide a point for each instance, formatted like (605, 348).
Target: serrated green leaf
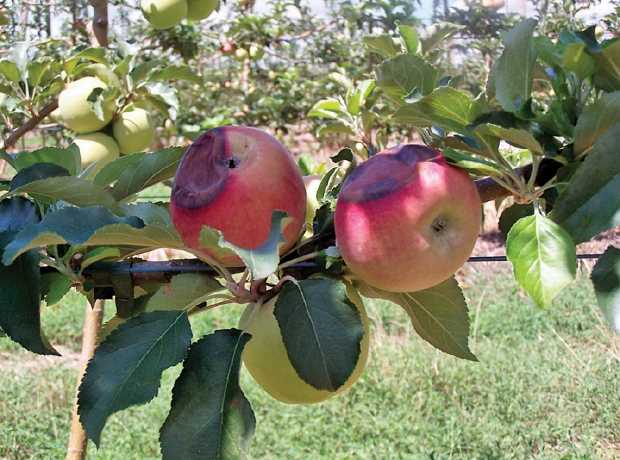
(514, 136)
(438, 34)
(595, 120)
(112, 171)
(606, 280)
(445, 107)
(543, 257)
(475, 164)
(175, 72)
(99, 254)
(210, 417)
(577, 60)
(151, 169)
(438, 314)
(80, 192)
(68, 158)
(383, 45)
(54, 286)
(410, 38)
(321, 330)
(330, 108)
(166, 94)
(589, 204)
(512, 214)
(127, 366)
(10, 71)
(37, 172)
(404, 74)
(607, 75)
(514, 69)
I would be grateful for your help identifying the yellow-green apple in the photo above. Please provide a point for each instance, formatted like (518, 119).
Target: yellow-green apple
(241, 54)
(103, 73)
(232, 179)
(256, 51)
(200, 9)
(266, 358)
(76, 112)
(96, 149)
(164, 14)
(133, 130)
(312, 204)
(406, 220)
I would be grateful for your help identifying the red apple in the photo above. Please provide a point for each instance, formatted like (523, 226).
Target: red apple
(406, 220)
(232, 179)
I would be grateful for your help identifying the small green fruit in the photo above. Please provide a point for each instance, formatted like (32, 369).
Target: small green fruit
(133, 130)
(164, 14)
(75, 109)
(201, 9)
(266, 359)
(241, 54)
(96, 149)
(103, 72)
(256, 51)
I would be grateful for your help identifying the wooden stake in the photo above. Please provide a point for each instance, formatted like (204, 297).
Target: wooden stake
(78, 442)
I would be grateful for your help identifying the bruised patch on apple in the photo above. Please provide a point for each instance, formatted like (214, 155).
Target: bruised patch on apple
(204, 169)
(385, 173)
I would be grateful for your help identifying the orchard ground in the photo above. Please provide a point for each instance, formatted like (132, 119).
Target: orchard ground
(546, 387)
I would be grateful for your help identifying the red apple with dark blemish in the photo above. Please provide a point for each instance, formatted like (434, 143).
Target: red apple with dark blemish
(406, 220)
(232, 179)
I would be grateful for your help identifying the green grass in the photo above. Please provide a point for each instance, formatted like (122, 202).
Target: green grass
(546, 386)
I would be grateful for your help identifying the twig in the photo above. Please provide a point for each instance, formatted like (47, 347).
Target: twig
(32, 123)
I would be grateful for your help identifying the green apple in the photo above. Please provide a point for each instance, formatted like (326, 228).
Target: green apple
(201, 9)
(103, 72)
(256, 51)
(164, 14)
(133, 130)
(241, 54)
(76, 111)
(266, 358)
(96, 150)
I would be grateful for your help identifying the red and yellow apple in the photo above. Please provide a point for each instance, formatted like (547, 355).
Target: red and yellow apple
(266, 359)
(406, 220)
(232, 179)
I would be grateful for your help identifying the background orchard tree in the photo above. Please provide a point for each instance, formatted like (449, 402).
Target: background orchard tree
(535, 124)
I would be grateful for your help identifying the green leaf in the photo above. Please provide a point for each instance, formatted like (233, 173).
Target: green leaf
(543, 257)
(166, 94)
(128, 364)
(175, 72)
(80, 192)
(151, 169)
(36, 172)
(54, 286)
(404, 74)
(595, 120)
(184, 291)
(607, 75)
(88, 54)
(409, 36)
(511, 215)
(112, 171)
(210, 417)
(445, 107)
(327, 183)
(383, 45)
(67, 225)
(68, 158)
(577, 60)
(321, 330)
(262, 260)
(10, 71)
(589, 204)
(356, 98)
(330, 108)
(20, 282)
(606, 280)
(514, 69)
(475, 164)
(438, 34)
(438, 314)
(514, 136)
(99, 254)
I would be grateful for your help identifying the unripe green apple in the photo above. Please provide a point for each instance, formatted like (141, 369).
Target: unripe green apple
(256, 51)
(312, 204)
(266, 359)
(232, 179)
(241, 54)
(200, 9)
(103, 72)
(164, 14)
(55, 116)
(75, 109)
(406, 220)
(133, 130)
(96, 149)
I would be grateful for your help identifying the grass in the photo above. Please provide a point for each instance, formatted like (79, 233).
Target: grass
(546, 386)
